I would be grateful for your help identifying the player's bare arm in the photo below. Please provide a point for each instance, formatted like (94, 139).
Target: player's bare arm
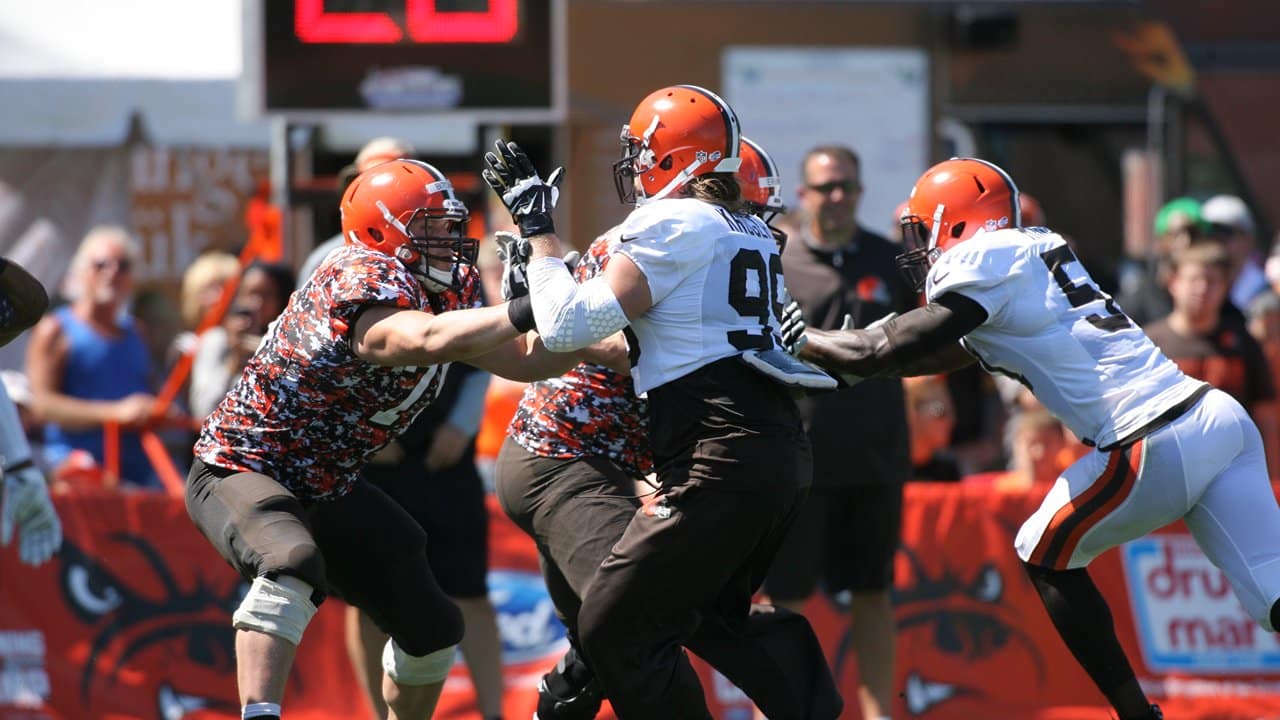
(395, 337)
(46, 362)
(22, 299)
(922, 341)
(527, 358)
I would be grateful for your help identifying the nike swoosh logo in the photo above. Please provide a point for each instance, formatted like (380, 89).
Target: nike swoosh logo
(937, 277)
(626, 239)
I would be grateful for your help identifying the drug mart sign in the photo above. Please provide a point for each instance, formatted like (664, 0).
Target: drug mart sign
(1186, 614)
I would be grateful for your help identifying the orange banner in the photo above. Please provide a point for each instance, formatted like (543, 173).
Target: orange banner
(132, 620)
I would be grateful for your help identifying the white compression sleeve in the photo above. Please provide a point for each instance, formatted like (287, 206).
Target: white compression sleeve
(571, 316)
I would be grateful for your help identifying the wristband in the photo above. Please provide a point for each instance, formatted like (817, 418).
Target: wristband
(520, 313)
(534, 224)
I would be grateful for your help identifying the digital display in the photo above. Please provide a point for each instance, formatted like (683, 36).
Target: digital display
(424, 21)
(406, 55)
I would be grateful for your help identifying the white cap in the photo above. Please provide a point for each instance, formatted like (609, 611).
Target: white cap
(1227, 210)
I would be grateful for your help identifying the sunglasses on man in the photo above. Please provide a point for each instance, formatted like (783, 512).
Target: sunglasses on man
(124, 265)
(826, 188)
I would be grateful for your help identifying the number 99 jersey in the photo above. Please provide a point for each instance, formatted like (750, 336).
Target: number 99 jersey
(715, 278)
(307, 411)
(1049, 327)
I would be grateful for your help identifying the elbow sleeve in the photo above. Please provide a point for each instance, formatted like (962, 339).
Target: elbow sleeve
(571, 316)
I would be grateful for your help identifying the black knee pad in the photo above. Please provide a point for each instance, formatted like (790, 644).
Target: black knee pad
(570, 691)
(790, 639)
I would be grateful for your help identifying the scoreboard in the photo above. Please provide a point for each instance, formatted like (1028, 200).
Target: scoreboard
(495, 61)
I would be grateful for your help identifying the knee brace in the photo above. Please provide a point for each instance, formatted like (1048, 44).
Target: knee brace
(276, 607)
(570, 691)
(408, 669)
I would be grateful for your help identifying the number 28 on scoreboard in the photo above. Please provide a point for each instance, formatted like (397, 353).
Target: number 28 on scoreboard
(424, 21)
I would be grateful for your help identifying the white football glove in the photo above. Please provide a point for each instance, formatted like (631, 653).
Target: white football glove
(791, 325)
(26, 508)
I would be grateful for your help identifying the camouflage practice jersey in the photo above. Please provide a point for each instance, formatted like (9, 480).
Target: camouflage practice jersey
(590, 410)
(307, 411)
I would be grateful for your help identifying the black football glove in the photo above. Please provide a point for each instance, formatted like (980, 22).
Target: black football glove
(514, 252)
(528, 197)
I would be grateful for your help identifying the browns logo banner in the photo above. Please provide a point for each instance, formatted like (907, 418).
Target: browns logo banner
(132, 620)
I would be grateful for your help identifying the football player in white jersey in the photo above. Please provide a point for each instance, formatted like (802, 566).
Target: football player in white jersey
(697, 283)
(1166, 447)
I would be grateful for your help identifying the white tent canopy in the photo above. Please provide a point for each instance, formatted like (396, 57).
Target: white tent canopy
(74, 73)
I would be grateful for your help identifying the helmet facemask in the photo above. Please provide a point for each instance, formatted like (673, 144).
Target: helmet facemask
(437, 247)
(636, 158)
(921, 252)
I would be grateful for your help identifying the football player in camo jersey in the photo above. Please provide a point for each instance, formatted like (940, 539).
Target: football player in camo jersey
(360, 349)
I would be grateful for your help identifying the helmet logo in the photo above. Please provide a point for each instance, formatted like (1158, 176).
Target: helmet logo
(700, 156)
(994, 224)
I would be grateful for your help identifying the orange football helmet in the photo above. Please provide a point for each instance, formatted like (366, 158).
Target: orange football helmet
(758, 177)
(949, 204)
(675, 134)
(381, 209)
(1032, 213)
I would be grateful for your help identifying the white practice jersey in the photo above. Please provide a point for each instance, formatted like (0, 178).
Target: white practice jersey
(715, 278)
(1051, 328)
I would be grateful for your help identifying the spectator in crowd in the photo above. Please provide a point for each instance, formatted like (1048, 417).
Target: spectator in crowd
(374, 152)
(260, 297)
(1263, 315)
(1041, 451)
(1195, 336)
(88, 364)
(1143, 294)
(430, 471)
(846, 533)
(1213, 346)
(930, 419)
(202, 285)
(1231, 223)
